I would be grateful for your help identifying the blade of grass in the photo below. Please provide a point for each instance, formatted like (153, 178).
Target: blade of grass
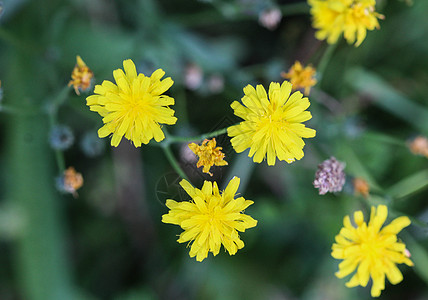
(387, 98)
(409, 185)
(383, 138)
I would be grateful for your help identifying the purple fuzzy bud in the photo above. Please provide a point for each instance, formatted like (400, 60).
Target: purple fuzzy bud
(330, 176)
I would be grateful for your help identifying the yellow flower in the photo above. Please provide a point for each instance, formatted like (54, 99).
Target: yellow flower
(272, 126)
(209, 155)
(134, 107)
(351, 17)
(373, 250)
(210, 219)
(301, 78)
(81, 77)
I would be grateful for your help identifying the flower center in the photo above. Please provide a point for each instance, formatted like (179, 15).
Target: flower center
(273, 123)
(371, 248)
(136, 104)
(360, 11)
(214, 214)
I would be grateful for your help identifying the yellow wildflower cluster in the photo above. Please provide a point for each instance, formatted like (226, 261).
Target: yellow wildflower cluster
(301, 77)
(351, 17)
(373, 250)
(81, 77)
(211, 218)
(272, 128)
(209, 155)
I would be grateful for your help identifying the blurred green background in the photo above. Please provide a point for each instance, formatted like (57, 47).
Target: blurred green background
(109, 243)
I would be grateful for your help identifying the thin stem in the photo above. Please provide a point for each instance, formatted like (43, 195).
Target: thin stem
(180, 139)
(325, 59)
(174, 163)
(328, 101)
(59, 100)
(52, 113)
(170, 139)
(59, 155)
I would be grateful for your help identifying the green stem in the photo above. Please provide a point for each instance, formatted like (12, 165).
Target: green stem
(58, 101)
(174, 163)
(170, 139)
(325, 59)
(59, 155)
(52, 113)
(180, 139)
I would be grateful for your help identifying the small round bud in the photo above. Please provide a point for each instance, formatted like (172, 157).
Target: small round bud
(69, 182)
(91, 144)
(61, 137)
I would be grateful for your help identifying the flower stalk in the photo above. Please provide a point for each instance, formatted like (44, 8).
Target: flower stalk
(181, 139)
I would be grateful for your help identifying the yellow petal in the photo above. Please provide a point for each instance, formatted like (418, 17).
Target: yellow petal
(130, 70)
